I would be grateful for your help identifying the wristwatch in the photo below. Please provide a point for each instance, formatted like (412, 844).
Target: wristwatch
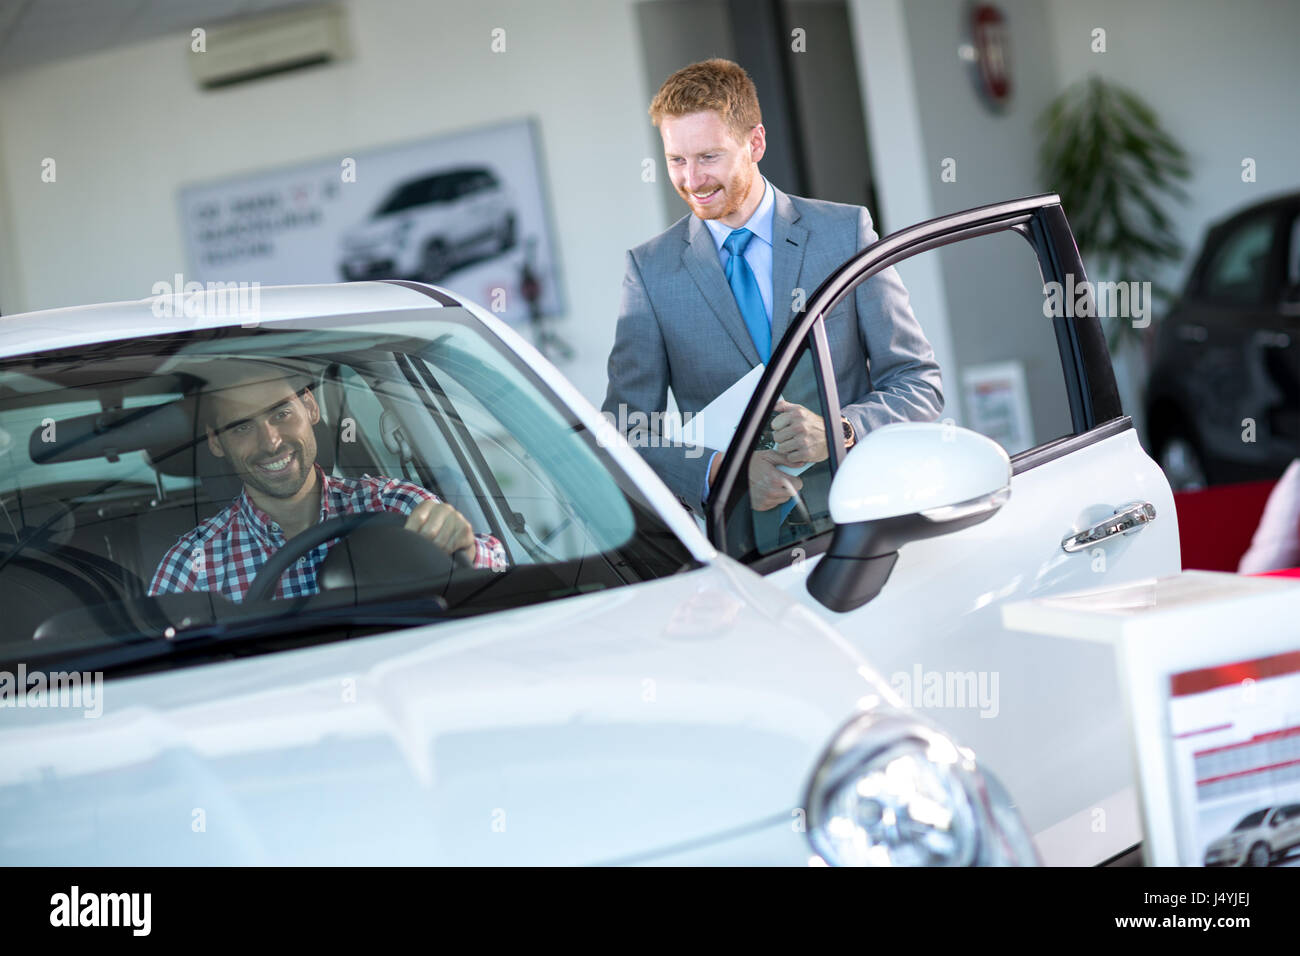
(849, 435)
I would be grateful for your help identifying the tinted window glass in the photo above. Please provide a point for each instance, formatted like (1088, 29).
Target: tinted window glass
(1238, 271)
(405, 196)
(756, 525)
(1252, 820)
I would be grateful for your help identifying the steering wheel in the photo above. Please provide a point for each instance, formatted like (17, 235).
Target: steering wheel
(264, 584)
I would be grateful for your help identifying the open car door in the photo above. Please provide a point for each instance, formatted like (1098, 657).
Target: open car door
(1083, 507)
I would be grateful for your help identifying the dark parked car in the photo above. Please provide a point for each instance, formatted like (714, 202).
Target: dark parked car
(1223, 402)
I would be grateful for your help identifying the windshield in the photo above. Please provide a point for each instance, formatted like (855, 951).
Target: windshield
(418, 193)
(146, 485)
(1252, 821)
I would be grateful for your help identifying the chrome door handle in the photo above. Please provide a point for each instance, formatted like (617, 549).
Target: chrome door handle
(1127, 519)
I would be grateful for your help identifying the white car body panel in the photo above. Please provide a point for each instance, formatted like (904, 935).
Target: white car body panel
(1058, 741)
(158, 315)
(547, 734)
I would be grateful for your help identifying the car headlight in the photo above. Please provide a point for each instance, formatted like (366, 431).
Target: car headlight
(891, 791)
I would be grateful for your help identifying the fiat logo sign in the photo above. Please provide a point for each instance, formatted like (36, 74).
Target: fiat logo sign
(991, 54)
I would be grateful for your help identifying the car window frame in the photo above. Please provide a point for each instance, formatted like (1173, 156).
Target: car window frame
(1092, 393)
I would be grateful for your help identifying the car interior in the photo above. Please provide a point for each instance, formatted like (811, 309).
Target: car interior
(98, 539)
(104, 466)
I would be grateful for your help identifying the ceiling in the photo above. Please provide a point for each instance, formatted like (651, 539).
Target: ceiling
(40, 31)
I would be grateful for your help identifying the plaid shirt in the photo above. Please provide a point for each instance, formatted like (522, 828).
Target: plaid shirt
(225, 552)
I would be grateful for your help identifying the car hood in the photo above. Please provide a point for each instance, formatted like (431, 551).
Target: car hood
(600, 728)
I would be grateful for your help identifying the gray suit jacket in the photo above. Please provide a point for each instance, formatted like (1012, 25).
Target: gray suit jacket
(679, 327)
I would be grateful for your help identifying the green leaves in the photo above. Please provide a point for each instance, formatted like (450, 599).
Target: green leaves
(1113, 165)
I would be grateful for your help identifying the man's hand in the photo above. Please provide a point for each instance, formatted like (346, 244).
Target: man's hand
(769, 486)
(800, 434)
(444, 526)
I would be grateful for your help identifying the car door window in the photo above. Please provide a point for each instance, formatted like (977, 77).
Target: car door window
(442, 189)
(753, 526)
(359, 426)
(1022, 381)
(1238, 270)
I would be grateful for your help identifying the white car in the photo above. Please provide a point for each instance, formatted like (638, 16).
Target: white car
(630, 689)
(427, 227)
(1259, 838)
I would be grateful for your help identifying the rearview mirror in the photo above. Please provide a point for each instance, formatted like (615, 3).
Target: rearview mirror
(902, 483)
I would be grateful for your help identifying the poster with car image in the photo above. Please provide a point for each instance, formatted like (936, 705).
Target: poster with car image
(1236, 754)
(467, 211)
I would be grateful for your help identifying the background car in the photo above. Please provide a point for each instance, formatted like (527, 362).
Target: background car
(614, 590)
(1223, 400)
(430, 226)
(1258, 839)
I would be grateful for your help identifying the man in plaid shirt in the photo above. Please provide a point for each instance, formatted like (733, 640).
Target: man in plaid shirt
(264, 429)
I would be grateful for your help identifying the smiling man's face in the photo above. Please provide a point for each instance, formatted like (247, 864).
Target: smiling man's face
(713, 171)
(265, 431)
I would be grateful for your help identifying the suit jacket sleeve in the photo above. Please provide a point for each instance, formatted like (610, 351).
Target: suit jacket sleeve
(638, 386)
(904, 380)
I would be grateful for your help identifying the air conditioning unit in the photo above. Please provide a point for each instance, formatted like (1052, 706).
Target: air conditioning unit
(250, 49)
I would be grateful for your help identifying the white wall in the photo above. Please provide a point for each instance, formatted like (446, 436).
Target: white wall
(903, 178)
(1223, 77)
(128, 127)
(980, 301)
(10, 278)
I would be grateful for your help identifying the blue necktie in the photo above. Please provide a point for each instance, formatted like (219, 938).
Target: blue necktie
(745, 288)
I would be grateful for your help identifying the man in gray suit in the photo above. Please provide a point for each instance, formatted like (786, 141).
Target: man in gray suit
(707, 300)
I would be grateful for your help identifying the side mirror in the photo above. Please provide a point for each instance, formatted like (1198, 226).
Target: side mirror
(902, 483)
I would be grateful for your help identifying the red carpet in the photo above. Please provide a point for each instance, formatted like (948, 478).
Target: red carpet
(1215, 525)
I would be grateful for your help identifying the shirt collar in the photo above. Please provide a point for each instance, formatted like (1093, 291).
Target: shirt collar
(262, 523)
(760, 223)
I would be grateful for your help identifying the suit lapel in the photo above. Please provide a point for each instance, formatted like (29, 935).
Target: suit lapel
(701, 260)
(788, 243)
